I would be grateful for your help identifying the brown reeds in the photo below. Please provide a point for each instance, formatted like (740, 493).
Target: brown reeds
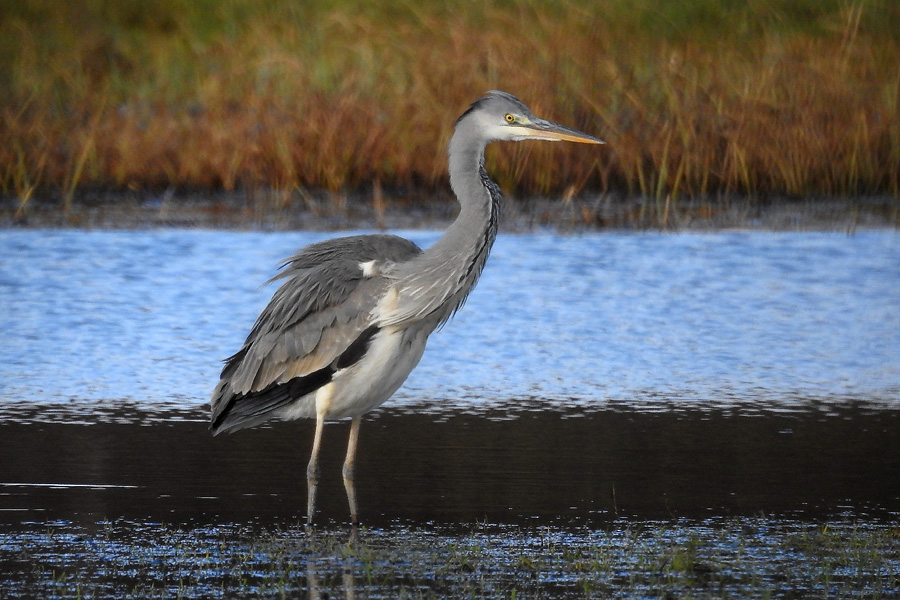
(335, 95)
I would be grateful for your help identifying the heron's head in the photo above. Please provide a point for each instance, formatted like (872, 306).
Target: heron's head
(500, 116)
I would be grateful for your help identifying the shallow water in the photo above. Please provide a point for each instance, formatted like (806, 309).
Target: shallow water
(587, 375)
(740, 558)
(500, 467)
(580, 320)
(646, 388)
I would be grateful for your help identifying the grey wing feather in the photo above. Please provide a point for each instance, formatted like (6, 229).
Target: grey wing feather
(324, 305)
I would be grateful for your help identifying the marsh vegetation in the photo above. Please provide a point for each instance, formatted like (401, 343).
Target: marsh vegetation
(747, 558)
(696, 99)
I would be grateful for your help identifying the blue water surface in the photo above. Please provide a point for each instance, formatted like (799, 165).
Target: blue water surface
(580, 320)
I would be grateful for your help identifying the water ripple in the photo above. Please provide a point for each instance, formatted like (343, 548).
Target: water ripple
(147, 316)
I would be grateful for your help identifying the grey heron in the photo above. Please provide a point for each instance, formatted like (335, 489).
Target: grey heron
(350, 321)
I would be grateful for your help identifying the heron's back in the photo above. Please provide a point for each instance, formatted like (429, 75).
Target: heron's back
(320, 323)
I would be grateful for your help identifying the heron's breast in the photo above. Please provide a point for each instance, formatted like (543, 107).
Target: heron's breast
(390, 357)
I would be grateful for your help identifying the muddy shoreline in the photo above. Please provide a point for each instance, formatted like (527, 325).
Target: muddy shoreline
(280, 211)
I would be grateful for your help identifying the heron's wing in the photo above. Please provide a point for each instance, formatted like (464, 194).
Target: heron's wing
(320, 319)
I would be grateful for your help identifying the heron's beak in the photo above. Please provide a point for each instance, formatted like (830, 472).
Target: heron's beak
(539, 129)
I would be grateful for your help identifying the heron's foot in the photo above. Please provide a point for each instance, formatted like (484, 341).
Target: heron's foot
(311, 505)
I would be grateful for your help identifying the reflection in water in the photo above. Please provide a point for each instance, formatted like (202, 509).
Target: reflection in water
(587, 377)
(314, 585)
(745, 557)
(591, 382)
(503, 467)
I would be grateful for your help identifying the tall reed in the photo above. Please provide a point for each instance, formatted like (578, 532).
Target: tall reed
(798, 97)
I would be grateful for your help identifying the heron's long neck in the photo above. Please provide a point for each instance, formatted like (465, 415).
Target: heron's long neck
(469, 239)
(437, 282)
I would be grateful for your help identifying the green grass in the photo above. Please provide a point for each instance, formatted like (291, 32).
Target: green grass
(710, 97)
(736, 557)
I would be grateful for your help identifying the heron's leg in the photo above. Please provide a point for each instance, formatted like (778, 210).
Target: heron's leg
(312, 470)
(349, 470)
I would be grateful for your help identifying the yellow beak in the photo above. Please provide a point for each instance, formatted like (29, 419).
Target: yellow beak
(539, 129)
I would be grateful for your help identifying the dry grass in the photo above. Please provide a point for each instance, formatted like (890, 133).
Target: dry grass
(779, 97)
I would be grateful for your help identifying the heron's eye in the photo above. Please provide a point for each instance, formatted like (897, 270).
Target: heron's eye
(510, 118)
